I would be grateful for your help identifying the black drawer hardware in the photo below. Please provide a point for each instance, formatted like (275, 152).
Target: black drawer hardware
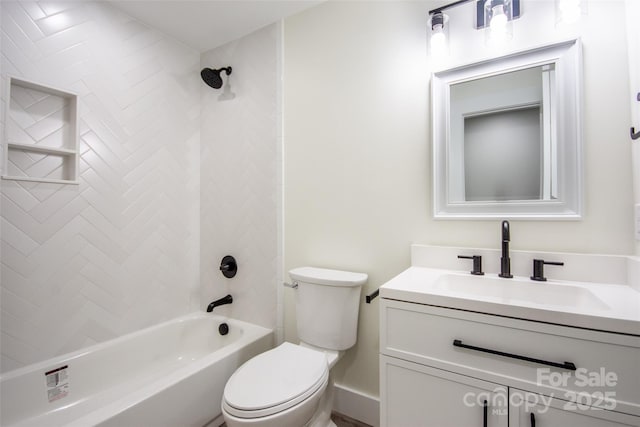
(566, 365)
(533, 420)
(485, 412)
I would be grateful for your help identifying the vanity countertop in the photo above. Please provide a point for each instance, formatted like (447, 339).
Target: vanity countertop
(599, 306)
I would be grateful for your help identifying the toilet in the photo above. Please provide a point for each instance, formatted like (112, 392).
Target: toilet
(291, 385)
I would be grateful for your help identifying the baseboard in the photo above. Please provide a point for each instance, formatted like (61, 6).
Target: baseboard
(216, 422)
(356, 405)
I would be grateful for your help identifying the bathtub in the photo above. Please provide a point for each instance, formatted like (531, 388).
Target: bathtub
(171, 374)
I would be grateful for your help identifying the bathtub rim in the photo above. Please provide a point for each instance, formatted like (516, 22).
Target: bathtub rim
(67, 357)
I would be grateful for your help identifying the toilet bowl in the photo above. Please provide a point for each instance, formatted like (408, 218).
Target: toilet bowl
(291, 385)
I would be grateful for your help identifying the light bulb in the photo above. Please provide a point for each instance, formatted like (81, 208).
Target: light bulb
(499, 29)
(498, 19)
(438, 41)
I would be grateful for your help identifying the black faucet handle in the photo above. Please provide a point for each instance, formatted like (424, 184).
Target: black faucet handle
(477, 264)
(538, 269)
(228, 266)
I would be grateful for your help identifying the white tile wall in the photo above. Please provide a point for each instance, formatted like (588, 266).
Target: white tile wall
(240, 175)
(82, 264)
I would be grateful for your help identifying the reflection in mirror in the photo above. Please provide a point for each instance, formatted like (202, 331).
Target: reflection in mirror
(507, 136)
(499, 123)
(502, 155)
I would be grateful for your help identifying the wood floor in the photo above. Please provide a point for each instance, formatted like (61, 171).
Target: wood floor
(340, 420)
(344, 421)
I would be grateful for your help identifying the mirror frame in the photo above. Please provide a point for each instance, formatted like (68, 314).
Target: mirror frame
(567, 57)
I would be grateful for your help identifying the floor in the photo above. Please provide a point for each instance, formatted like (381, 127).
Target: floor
(344, 421)
(341, 421)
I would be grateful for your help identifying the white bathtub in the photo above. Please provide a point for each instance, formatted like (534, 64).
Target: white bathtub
(171, 374)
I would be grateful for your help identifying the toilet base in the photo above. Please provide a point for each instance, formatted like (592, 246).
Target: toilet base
(322, 417)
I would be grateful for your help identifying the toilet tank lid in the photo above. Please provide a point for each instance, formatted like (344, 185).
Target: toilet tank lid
(323, 276)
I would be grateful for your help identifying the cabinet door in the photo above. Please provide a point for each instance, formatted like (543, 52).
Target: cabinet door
(414, 395)
(529, 409)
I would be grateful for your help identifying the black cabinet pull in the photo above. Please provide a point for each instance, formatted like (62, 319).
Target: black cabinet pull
(566, 365)
(485, 412)
(533, 420)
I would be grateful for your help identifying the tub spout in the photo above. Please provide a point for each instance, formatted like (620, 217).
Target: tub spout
(222, 301)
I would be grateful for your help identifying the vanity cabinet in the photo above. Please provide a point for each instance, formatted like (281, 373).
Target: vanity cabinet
(561, 413)
(438, 367)
(417, 395)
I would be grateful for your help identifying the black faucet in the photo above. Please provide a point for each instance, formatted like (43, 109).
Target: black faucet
(505, 262)
(222, 301)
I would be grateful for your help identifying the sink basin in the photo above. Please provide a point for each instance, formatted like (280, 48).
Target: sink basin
(514, 291)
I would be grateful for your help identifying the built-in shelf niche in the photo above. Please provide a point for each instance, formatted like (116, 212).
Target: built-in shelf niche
(41, 134)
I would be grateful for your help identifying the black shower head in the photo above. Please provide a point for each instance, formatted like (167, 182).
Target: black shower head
(212, 77)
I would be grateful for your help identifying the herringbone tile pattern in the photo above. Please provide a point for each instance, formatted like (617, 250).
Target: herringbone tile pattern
(239, 201)
(82, 264)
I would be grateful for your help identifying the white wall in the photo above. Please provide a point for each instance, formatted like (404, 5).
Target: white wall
(357, 149)
(85, 263)
(241, 177)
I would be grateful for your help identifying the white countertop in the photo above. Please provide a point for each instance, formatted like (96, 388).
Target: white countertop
(599, 306)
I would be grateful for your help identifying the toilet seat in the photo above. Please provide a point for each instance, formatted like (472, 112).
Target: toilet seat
(275, 381)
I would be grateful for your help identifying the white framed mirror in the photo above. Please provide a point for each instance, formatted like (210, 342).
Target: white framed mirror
(507, 139)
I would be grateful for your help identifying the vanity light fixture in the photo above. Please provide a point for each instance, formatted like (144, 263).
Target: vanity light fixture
(439, 30)
(439, 34)
(496, 17)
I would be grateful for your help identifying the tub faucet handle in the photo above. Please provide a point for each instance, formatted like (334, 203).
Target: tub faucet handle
(228, 266)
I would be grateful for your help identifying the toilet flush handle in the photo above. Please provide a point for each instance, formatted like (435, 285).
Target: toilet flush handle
(293, 285)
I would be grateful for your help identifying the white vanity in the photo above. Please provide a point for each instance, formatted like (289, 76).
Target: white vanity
(462, 350)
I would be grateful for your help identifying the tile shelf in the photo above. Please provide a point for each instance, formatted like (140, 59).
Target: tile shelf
(27, 104)
(41, 149)
(40, 180)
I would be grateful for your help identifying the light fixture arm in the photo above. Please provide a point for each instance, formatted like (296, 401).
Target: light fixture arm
(448, 6)
(479, 10)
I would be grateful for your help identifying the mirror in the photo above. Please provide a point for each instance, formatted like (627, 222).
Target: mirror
(507, 136)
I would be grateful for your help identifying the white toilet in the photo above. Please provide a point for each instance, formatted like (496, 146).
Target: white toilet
(290, 385)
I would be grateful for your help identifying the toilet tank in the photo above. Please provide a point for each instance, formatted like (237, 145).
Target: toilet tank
(327, 304)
